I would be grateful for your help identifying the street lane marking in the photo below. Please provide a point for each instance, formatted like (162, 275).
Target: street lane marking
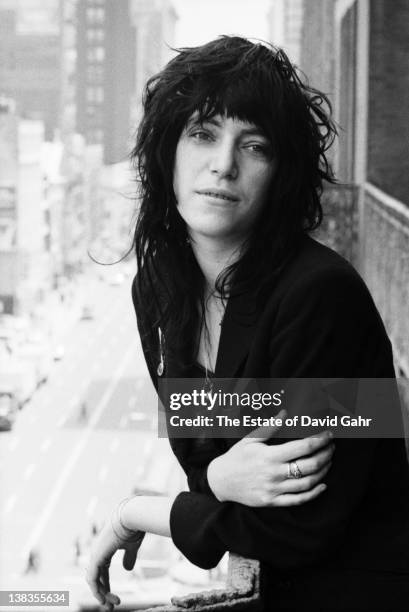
(14, 443)
(29, 470)
(60, 485)
(9, 504)
(62, 420)
(74, 401)
(92, 505)
(45, 445)
(102, 473)
(114, 445)
(148, 447)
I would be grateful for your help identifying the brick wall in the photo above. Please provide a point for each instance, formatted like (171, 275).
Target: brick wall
(388, 133)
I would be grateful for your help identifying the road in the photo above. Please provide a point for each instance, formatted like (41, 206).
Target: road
(63, 467)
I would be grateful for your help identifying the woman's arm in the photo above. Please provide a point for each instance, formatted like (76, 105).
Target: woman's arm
(125, 531)
(148, 513)
(249, 473)
(327, 327)
(257, 475)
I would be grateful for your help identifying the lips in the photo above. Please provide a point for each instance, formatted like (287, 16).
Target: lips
(220, 194)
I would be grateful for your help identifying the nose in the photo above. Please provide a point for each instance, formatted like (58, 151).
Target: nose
(223, 161)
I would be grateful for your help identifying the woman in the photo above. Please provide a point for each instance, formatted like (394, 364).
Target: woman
(231, 156)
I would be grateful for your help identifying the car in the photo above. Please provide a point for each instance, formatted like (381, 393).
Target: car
(19, 378)
(87, 313)
(58, 352)
(8, 409)
(36, 350)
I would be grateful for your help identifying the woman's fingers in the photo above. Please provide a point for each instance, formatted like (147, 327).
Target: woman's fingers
(314, 463)
(305, 483)
(310, 465)
(111, 600)
(293, 450)
(296, 499)
(97, 587)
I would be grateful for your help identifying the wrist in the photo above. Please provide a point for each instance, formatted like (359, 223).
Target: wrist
(148, 514)
(122, 531)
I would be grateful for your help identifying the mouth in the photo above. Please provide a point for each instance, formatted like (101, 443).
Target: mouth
(219, 194)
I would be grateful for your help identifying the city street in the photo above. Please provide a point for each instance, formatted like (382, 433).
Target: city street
(86, 439)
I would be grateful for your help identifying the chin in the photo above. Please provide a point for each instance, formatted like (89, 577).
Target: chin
(216, 233)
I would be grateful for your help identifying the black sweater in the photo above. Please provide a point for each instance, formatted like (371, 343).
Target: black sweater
(318, 322)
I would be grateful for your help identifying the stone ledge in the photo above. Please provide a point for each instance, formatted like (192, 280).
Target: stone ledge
(242, 591)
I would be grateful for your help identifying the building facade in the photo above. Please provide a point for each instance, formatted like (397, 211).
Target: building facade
(154, 22)
(285, 21)
(30, 63)
(105, 75)
(357, 51)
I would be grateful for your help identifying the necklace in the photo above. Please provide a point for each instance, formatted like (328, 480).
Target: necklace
(208, 388)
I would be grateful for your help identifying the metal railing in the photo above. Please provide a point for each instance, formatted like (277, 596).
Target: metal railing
(384, 263)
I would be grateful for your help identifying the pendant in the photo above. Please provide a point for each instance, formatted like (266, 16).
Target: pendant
(208, 386)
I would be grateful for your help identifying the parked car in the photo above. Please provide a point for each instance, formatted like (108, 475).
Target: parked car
(8, 408)
(20, 377)
(87, 313)
(58, 352)
(36, 350)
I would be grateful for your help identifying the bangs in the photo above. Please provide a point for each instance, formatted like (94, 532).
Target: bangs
(237, 99)
(241, 83)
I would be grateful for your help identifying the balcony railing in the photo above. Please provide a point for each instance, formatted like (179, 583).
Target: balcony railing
(339, 229)
(385, 265)
(374, 238)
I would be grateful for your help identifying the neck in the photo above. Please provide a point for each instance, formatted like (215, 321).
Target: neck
(214, 256)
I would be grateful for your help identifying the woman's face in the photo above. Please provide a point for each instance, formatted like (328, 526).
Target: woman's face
(223, 172)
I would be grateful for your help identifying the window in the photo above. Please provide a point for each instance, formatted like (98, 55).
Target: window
(96, 54)
(95, 94)
(95, 35)
(95, 15)
(95, 74)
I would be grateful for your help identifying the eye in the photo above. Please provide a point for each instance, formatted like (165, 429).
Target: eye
(200, 135)
(259, 148)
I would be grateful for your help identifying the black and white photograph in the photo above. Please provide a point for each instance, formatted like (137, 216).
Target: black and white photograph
(204, 305)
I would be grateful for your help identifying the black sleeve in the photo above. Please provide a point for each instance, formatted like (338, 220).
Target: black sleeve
(327, 326)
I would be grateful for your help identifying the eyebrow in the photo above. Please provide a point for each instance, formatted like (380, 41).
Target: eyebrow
(251, 131)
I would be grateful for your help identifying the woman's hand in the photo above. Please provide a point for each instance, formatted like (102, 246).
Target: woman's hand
(112, 537)
(133, 518)
(255, 474)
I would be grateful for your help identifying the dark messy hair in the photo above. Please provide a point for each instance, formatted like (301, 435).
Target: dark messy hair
(254, 82)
